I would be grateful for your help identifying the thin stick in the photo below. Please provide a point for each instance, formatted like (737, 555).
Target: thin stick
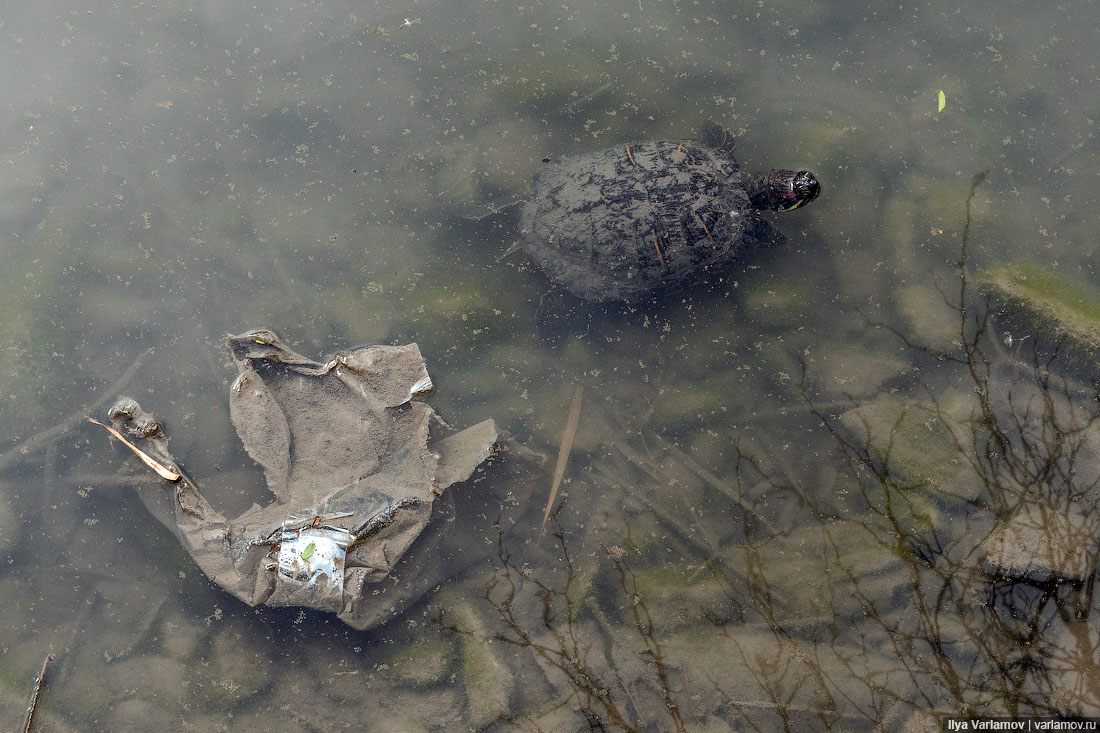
(34, 695)
(35, 442)
(516, 246)
(660, 256)
(563, 452)
(163, 471)
(704, 225)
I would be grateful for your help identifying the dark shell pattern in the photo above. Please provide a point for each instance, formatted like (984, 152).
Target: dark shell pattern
(619, 223)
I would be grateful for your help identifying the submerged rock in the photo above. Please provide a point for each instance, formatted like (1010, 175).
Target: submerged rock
(922, 443)
(489, 681)
(1072, 668)
(677, 599)
(421, 663)
(1045, 541)
(235, 667)
(1062, 315)
(849, 369)
(931, 320)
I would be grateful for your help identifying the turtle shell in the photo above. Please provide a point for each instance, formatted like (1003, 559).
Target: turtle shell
(620, 223)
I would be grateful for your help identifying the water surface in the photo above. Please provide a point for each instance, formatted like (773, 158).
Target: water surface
(777, 504)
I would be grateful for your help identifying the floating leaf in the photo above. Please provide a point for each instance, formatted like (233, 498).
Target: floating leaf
(308, 552)
(942, 102)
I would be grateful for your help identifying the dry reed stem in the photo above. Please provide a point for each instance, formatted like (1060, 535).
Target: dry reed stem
(563, 452)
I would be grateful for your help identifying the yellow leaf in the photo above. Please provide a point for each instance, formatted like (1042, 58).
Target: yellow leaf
(942, 102)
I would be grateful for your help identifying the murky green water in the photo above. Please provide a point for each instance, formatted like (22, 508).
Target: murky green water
(786, 488)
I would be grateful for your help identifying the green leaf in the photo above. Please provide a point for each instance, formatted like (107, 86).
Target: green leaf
(308, 552)
(942, 102)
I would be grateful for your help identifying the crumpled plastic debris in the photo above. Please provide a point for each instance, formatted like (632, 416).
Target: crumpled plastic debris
(344, 449)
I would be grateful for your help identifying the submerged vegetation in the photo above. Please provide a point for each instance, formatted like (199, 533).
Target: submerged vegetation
(898, 589)
(933, 552)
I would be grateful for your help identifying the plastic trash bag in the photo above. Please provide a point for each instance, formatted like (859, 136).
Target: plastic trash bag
(361, 502)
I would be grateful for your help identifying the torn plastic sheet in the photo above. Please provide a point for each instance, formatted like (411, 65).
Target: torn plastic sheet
(359, 497)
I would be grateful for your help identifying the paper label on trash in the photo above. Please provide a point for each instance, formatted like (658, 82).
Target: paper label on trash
(314, 556)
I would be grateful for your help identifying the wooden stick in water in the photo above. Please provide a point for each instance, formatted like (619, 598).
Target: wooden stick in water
(165, 472)
(563, 452)
(34, 695)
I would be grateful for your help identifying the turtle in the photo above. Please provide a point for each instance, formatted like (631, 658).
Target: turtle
(621, 223)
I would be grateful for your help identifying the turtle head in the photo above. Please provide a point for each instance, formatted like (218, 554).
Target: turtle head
(782, 190)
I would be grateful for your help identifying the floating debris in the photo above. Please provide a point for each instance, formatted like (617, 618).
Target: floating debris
(344, 449)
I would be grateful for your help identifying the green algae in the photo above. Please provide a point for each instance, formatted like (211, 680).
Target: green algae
(1061, 314)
